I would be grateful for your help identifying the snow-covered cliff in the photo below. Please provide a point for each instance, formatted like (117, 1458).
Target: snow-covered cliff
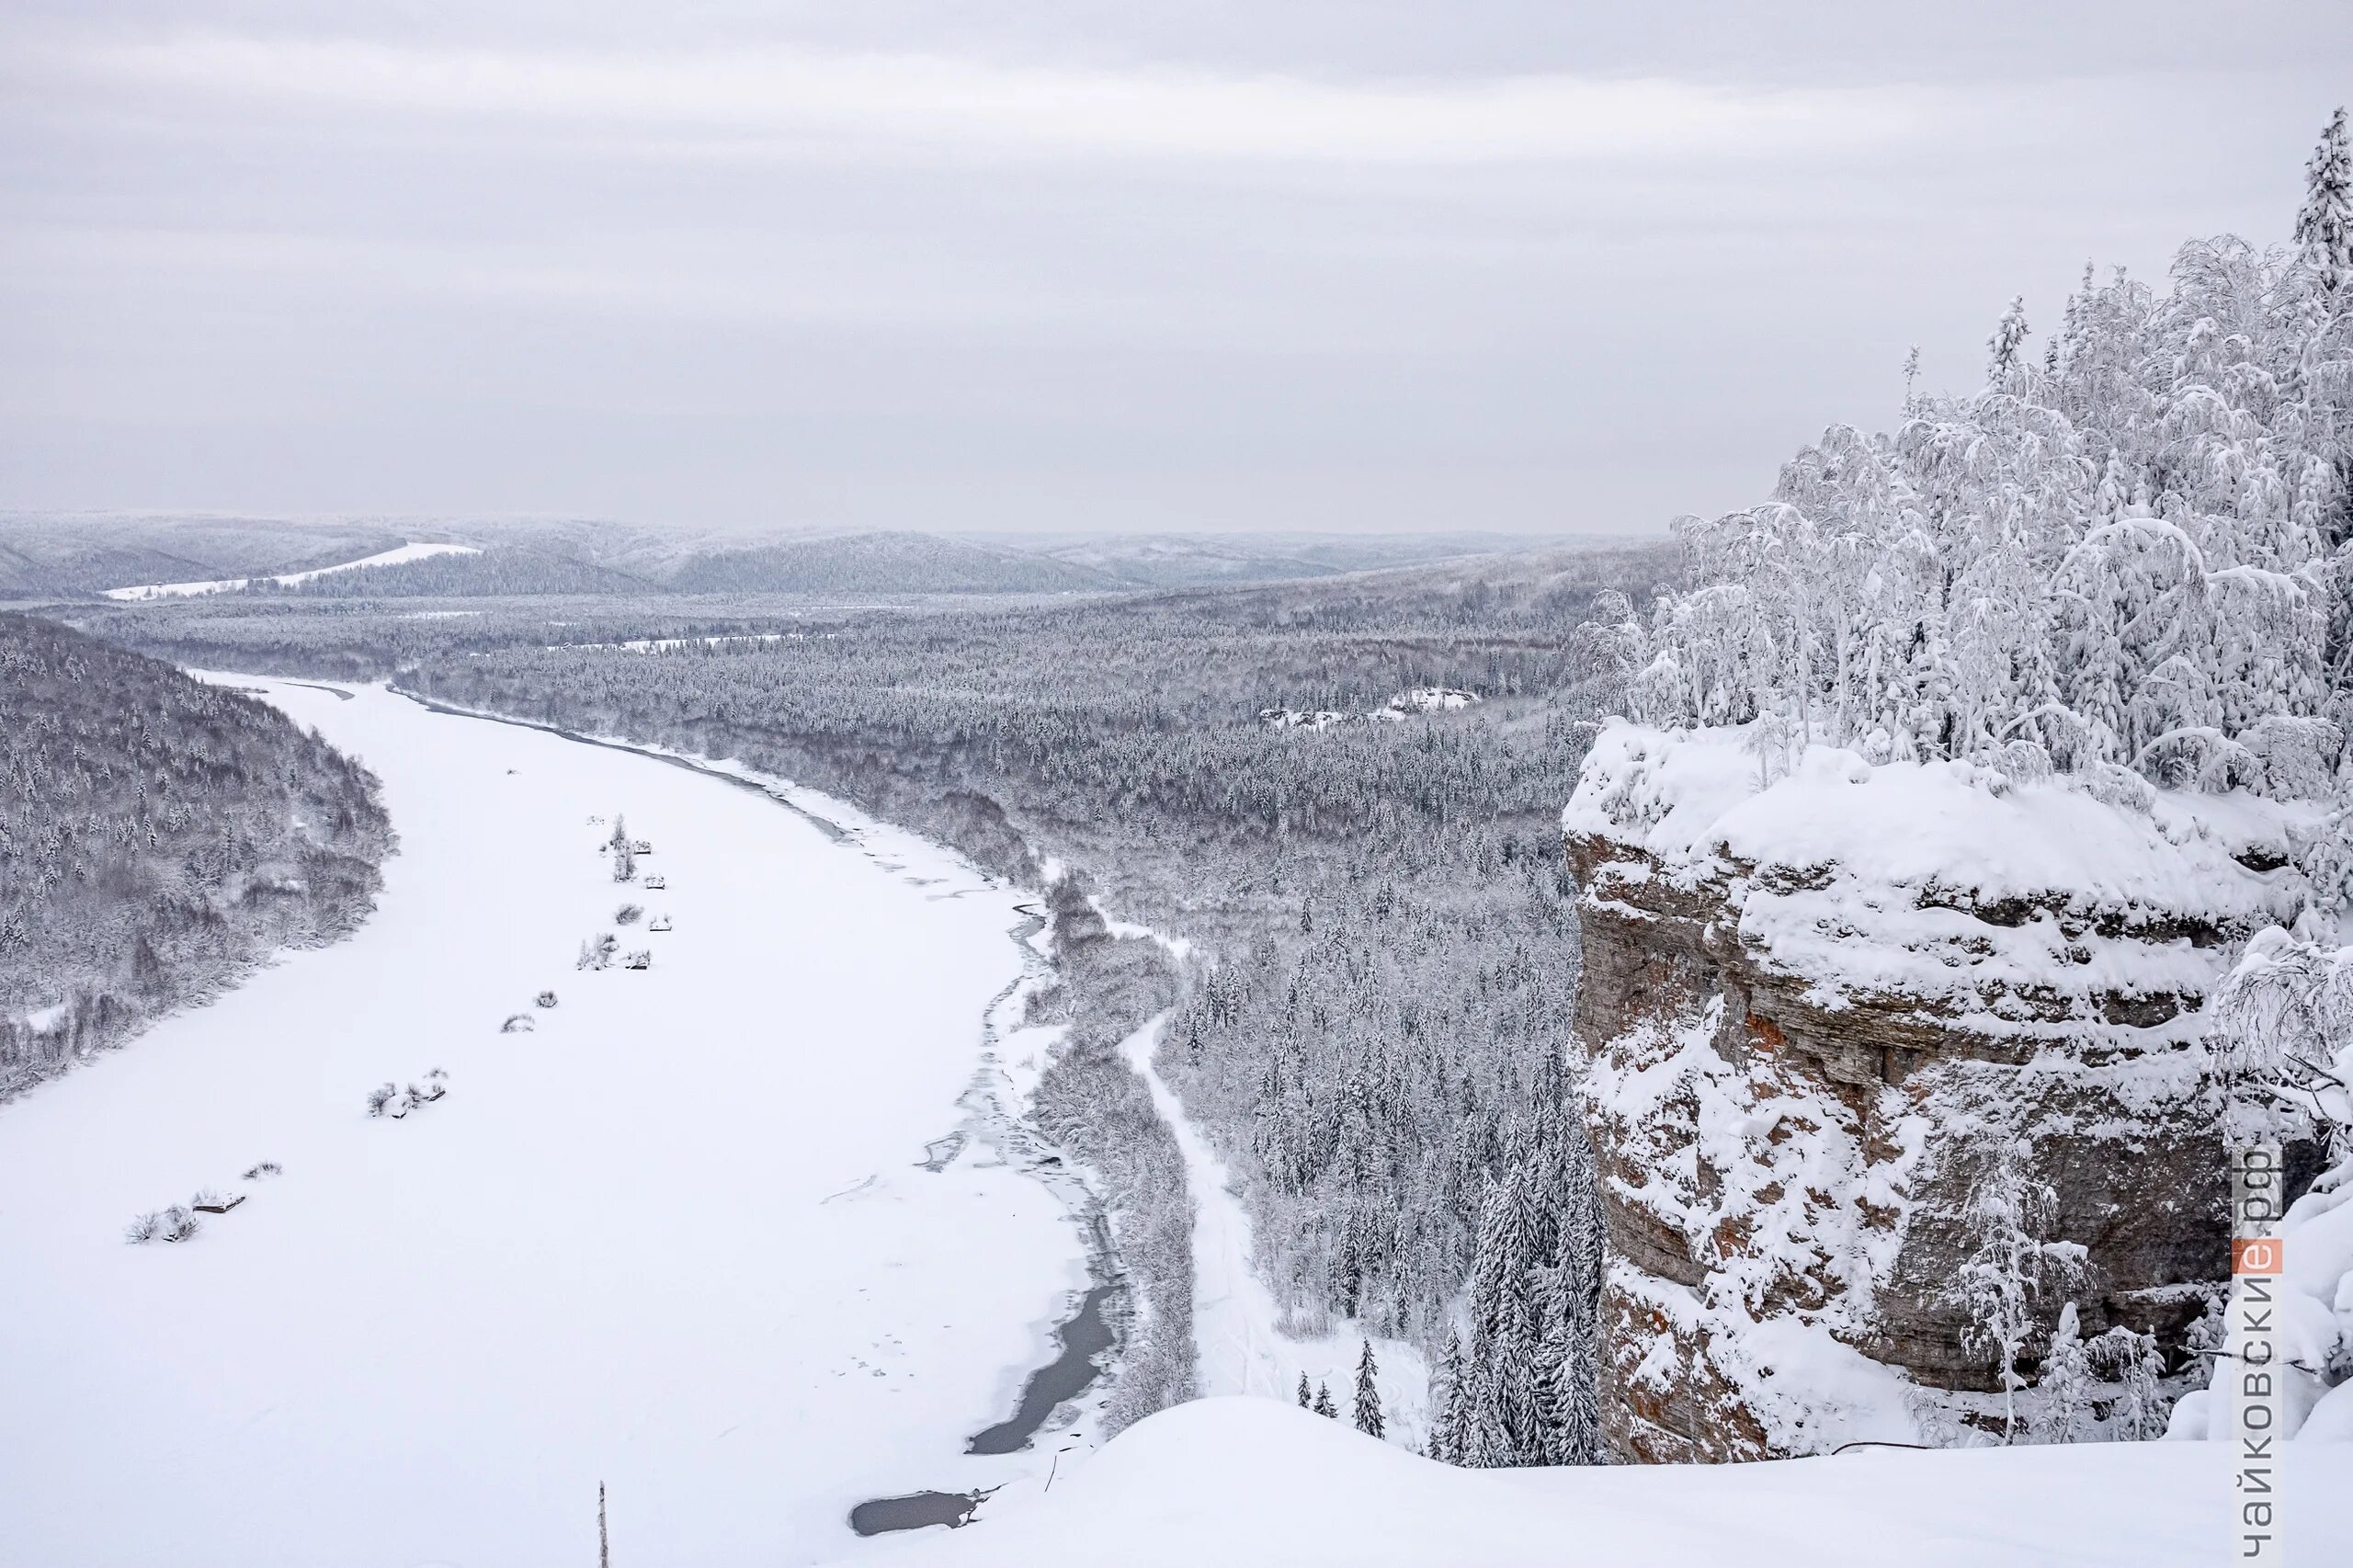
(1846, 1024)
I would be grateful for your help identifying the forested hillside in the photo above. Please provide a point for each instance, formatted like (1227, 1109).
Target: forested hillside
(498, 572)
(156, 835)
(72, 555)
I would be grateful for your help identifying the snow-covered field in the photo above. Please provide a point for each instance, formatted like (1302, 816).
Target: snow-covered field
(1251, 1482)
(394, 557)
(678, 1239)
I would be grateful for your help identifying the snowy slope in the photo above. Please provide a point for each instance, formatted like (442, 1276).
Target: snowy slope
(1252, 1482)
(678, 1239)
(395, 557)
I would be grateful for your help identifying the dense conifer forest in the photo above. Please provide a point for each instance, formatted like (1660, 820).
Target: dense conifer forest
(157, 834)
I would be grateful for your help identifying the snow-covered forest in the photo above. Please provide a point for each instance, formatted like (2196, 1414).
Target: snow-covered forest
(2126, 551)
(157, 837)
(1376, 1046)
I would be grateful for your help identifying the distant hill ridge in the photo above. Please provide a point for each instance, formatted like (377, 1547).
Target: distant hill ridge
(79, 556)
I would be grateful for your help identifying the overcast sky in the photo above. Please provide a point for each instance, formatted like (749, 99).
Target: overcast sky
(1296, 263)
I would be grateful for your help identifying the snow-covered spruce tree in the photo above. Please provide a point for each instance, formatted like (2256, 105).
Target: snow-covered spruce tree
(1324, 1405)
(2129, 552)
(1531, 1397)
(1307, 1399)
(1368, 1403)
(1450, 1405)
(2325, 226)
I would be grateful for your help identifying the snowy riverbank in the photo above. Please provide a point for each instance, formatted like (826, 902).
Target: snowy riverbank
(683, 1237)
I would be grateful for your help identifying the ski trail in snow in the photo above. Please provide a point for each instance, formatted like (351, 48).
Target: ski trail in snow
(1238, 1325)
(1230, 1303)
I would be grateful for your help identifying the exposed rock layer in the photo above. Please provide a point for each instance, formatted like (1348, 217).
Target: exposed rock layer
(1788, 1142)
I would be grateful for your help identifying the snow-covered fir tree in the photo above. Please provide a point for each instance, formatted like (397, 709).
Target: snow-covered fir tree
(1368, 1402)
(2325, 226)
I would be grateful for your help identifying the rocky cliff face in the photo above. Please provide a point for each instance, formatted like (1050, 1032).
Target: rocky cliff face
(1812, 1006)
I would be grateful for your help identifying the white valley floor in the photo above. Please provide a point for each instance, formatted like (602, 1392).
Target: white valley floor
(677, 1240)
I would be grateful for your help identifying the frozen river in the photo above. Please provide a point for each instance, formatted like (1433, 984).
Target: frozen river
(682, 1238)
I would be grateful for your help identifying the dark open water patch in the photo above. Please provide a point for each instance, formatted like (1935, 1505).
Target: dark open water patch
(1087, 1336)
(915, 1511)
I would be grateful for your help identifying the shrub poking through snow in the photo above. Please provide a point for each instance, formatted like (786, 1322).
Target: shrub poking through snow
(142, 1230)
(397, 1102)
(545, 999)
(266, 1168)
(598, 951)
(642, 959)
(627, 913)
(517, 1023)
(178, 1223)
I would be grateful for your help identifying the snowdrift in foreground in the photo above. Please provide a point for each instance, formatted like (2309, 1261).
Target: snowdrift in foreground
(2315, 1326)
(1236, 1481)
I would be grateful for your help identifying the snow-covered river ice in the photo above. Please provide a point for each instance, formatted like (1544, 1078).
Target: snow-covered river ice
(692, 1235)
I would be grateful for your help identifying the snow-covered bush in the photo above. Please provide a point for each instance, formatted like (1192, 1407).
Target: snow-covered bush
(178, 1223)
(598, 951)
(2010, 1265)
(144, 1228)
(266, 1168)
(2286, 1024)
(517, 1023)
(628, 913)
(545, 999)
(384, 1099)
